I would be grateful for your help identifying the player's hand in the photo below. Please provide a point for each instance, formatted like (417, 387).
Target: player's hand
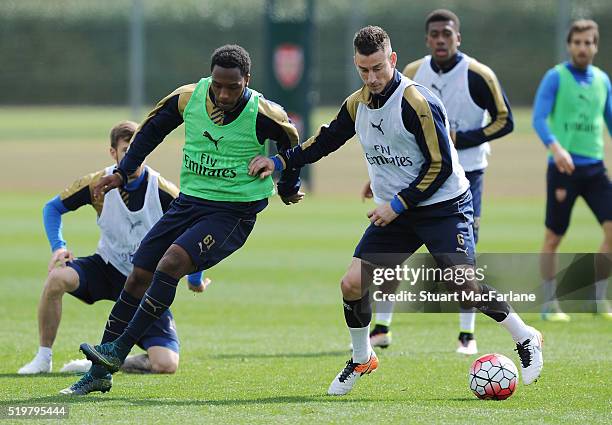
(382, 215)
(261, 165)
(201, 287)
(366, 192)
(107, 183)
(563, 160)
(293, 199)
(59, 258)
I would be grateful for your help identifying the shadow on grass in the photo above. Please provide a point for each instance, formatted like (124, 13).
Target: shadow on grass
(40, 375)
(62, 399)
(464, 399)
(150, 402)
(281, 355)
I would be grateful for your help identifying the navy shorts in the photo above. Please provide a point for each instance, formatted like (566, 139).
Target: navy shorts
(589, 181)
(444, 228)
(208, 230)
(99, 280)
(476, 178)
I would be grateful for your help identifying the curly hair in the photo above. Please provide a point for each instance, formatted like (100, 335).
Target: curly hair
(371, 39)
(232, 56)
(442, 15)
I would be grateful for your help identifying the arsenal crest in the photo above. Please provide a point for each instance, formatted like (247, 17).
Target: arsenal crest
(288, 65)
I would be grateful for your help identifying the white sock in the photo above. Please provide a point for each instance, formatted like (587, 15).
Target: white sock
(550, 300)
(467, 320)
(361, 344)
(601, 290)
(384, 312)
(44, 353)
(515, 325)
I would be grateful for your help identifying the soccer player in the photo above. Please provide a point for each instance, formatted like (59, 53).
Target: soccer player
(124, 217)
(226, 124)
(421, 192)
(445, 72)
(571, 105)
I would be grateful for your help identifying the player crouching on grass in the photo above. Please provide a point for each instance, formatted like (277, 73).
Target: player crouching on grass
(423, 200)
(124, 216)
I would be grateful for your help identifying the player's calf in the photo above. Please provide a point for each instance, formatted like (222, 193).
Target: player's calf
(138, 282)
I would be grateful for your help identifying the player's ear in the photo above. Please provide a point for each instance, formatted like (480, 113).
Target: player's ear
(458, 39)
(393, 59)
(113, 153)
(247, 78)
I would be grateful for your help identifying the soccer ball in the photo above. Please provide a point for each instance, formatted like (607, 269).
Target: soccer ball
(493, 377)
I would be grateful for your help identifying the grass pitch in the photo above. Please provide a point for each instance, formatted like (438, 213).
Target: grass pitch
(262, 344)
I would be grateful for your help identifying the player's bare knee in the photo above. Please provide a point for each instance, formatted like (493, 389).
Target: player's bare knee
(164, 364)
(58, 282)
(351, 286)
(176, 262)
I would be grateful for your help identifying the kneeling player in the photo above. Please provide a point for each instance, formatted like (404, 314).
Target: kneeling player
(123, 218)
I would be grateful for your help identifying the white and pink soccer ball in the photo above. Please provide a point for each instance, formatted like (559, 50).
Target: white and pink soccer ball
(493, 377)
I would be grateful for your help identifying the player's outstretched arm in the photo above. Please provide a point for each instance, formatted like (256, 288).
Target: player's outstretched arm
(52, 220)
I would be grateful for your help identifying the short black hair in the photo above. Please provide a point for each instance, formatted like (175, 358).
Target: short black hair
(371, 39)
(442, 15)
(232, 56)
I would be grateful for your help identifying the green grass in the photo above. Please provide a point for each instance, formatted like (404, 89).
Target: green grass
(263, 342)
(85, 122)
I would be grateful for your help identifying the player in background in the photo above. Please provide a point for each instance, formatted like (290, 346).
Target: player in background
(478, 112)
(226, 124)
(421, 192)
(123, 217)
(571, 105)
